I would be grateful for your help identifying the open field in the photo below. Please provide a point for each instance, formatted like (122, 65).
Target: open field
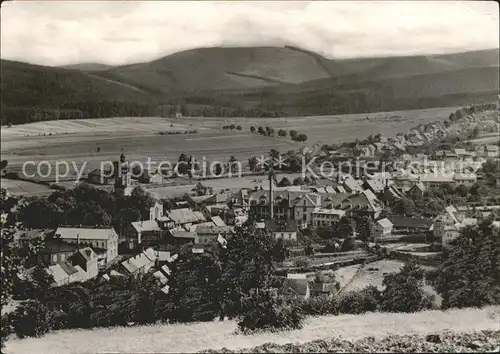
(18, 188)
(78, 140)
(216, 335)
(337, 128)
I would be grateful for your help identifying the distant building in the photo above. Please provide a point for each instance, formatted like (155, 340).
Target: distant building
(286, 230)
(382, 229)
(106, 239)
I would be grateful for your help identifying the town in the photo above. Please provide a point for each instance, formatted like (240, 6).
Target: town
(321, 225)
(239, 176)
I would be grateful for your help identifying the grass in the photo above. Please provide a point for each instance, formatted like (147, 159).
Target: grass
(216, 335)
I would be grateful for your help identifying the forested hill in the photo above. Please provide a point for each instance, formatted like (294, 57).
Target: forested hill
(258, 81)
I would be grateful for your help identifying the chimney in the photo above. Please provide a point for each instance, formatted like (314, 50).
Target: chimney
(78, 242)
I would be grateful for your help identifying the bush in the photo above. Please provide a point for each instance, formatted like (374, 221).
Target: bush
(360, 301)
(32, 319)
(302, 263)
(404, 290)
(268, 310)
(320, 305)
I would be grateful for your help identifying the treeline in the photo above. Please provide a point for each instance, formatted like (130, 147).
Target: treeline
(465, 111)
(78, 110)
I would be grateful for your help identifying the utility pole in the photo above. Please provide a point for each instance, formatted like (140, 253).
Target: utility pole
(162, 109)
(271, 177)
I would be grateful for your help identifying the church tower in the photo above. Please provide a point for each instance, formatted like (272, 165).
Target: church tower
(123, 177)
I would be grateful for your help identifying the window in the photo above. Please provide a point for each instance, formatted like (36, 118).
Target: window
(54, 258)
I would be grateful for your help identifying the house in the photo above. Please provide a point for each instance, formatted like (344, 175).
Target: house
(465, 179)
(105, 238)
(491, 151)
(437, 179)
(141, 263)
(215, 210)
(185, 216)
(180, 237)
(406, 225)
(351, 185)
(55, 251)
(102, 177)
(417, 191)
(153, 177)
(375, 185)
(25, 237)
(65, 273)
(363, 203)
(86, 259)
(382, 229)
(209, 234)
(326, 217)
(286, 230)
(447, 225)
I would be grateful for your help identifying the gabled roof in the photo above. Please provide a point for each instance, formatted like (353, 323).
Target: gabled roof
(217, 221)
(185, 215)
(183, 234)
(86, 254)
(145, 226)
(384, 222)
(73, 233)
(399, 221)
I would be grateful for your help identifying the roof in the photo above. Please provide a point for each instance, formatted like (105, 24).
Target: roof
(329, 211)
(182, 234)
(56, 246)
(376, 185)
(275, 226)
(29, 234)
(185, 215)
(399, 221)
(437, 177)
(145, 258)
(465, 176)
(217, 221)
(384, 222)
(87, 254)
(419, 186)
(214, 230)
(72, 233)
(147, 225)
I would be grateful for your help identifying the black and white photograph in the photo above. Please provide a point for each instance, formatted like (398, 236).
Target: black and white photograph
(250, 176)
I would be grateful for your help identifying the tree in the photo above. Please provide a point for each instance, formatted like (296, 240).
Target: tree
(239, 127)
(364, 228)
(348, 245)
(404, 206)
(195, 288)
(470, 272)
(29, 214)
(285, 182)
(404, 290)
(233, 164)
(298, 181)
(261, 131)
(252, 163)
(293, 134)
(301, 137)
(247, 264)
(343, 228)
(282, 133)
(252, 129)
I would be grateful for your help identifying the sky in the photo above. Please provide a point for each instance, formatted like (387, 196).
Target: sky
(124, 32)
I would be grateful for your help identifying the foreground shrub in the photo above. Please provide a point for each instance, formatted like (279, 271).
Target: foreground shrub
(320, 305)
(31, 319)
(268, 310)
(404, 290)
(360, 301)
(470, 275)
(484, 341)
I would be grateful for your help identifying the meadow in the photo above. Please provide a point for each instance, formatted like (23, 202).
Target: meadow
(96, 140)
(216, 335)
